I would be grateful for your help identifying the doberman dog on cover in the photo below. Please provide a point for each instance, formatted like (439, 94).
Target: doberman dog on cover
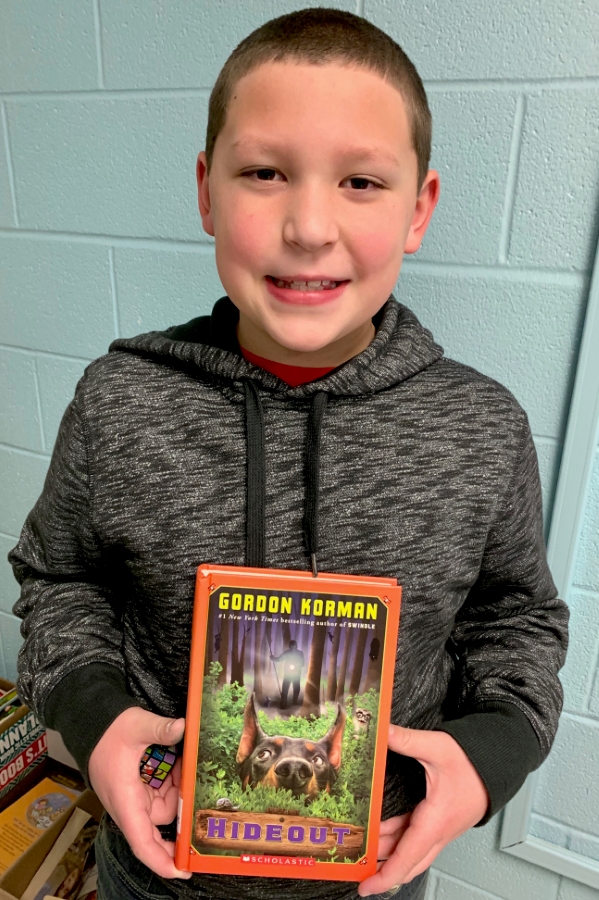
(296, 764)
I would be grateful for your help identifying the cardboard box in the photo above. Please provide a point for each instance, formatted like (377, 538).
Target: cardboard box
(23, 752)
(16, 879)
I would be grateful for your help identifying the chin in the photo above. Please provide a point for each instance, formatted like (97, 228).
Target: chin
(304, 345)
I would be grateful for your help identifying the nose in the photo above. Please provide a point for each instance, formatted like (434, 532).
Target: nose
(310, 218)
(294, 772)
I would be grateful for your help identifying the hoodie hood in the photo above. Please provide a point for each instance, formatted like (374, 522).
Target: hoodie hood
(400, 349)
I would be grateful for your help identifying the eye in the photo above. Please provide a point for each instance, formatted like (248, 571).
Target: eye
(264, 754)
(363, 184)
(261, 174)
(318, 760)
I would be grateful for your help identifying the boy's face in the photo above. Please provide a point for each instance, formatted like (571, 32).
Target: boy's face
(313, 177)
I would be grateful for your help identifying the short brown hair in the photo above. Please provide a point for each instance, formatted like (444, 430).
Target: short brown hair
(319, 36)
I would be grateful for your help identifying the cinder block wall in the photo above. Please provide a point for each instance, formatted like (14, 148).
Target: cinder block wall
(103, 110)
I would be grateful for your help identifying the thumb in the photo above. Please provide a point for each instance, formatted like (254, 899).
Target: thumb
(419, 745)
(166, 731)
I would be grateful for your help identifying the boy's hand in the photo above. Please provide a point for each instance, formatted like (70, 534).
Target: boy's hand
(136, 807)
(456, 799)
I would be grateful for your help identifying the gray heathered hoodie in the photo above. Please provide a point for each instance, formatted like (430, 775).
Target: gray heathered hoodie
(427, 473)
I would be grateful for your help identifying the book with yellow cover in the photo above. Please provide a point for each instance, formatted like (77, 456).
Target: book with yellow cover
(287, 720)
(22, 823)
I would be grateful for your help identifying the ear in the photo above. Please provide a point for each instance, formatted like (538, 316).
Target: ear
(251, 734)
(425, 206)
(334, 738)
(204, 194)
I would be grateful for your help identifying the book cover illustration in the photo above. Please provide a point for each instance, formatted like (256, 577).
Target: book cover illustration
(286, 736)
(22, 823)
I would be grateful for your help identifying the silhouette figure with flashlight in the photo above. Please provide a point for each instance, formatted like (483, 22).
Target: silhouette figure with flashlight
(293, 660)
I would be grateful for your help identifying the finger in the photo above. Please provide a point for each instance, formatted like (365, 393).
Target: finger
(388, 842)
(426, 862)
(157, 856)
(145, 840)
(176, 772)
(169, 846)
(167, 731)
(414, 846)
(395, 823)
(164, 803)
(421, 745)
(386, 847)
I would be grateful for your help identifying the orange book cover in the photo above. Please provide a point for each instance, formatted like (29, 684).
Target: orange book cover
(288, 709)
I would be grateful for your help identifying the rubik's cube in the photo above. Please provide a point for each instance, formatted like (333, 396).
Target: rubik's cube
(156, 763)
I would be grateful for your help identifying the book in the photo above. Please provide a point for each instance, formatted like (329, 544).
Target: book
(61, 872)
(9, 702)
(288, 709)
(25, 821)
(23, 748)
(89, 888)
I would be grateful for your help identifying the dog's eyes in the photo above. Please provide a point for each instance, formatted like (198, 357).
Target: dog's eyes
(264, 754)
(318, 760)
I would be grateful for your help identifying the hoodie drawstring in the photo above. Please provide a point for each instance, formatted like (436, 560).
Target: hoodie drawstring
(256, 478)
(312, 476)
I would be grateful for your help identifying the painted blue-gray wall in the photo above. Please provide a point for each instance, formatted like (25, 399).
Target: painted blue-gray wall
(103, 111)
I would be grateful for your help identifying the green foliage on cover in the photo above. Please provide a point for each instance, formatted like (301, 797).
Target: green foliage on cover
(222, 725)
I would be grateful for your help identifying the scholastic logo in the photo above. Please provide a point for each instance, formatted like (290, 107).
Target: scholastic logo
(278, 860)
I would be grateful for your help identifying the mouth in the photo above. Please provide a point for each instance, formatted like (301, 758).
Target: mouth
(305, 285)
(296, 291)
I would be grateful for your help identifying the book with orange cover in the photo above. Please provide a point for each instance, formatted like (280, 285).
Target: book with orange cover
(290, 687)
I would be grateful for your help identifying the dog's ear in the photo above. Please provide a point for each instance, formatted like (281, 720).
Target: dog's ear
(251, 734)
(334, 738)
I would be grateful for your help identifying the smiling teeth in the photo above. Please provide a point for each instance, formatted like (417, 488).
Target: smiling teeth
(306, 285)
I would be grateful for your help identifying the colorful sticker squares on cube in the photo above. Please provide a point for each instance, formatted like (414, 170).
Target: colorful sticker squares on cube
(156, 763)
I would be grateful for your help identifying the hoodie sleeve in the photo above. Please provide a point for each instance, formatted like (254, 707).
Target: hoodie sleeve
(511, 637)
(71, 671)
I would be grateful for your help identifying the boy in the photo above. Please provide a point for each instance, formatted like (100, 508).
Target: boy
(309, 422)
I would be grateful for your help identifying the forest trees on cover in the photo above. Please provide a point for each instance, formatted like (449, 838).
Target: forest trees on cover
(338, 661)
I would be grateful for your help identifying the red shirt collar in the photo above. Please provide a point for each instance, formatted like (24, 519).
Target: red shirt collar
(291, 375)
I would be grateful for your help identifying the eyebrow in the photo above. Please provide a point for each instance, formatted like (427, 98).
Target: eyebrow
(366, 154)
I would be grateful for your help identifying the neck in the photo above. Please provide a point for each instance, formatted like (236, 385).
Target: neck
(334, 354)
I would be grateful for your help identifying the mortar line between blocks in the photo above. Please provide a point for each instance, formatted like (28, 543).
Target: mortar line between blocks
(590, 82)
(585, 591)
(201, 93)
(8, 537)
(568, 829)
(27, 351)
(594, 670)
(39, 404)
(467, 884)
(103, 240)
(545, 439)
(581, 719)
(11, 448)
(433, 884)
(477, 85)
(562, 277)
(115, 303)
(11, 175)
(511, 182)
(98, 29)
(360, 8)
